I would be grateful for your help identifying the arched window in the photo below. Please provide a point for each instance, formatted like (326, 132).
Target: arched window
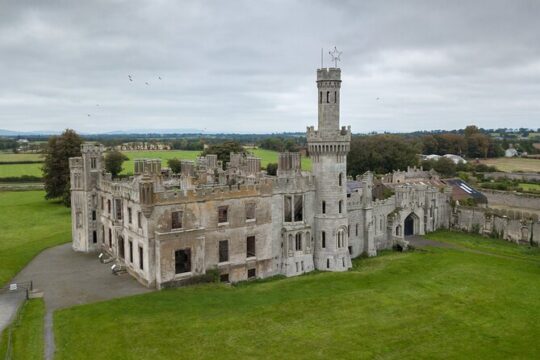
(340, 205)
(328, 96)
(340, 179)
(324, 207)
(298, 244)
(339, 236)
(291, 244)
(323, 239)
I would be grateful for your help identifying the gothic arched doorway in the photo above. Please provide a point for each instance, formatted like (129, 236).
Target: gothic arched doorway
(410, 225)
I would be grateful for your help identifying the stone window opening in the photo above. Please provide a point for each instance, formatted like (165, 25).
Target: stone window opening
(320, 97)
(328, 263)
(343, 260)
(109, 206)
(130, 251)
(223, 251)
(223, 214)
(340, 206)
(94, 216)
(328, 97)
(176, 220)
(340, 179)
(250, 211)
(141, 258)
(287, 209)
(102, 234)
(356, 229)
(94, 236)
(139, 220)
(324, 207)
(118, 207)
(298, 208)
(121, 248)
(130, 216)
(250, 246)
(182, 261)
(335, 97)
(110, 238)
(224, 278)
(323, 239)
(252, 273)
(93, 162)
(298, 241)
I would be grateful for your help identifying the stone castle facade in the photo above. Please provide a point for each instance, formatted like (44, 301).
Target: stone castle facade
(166, 229)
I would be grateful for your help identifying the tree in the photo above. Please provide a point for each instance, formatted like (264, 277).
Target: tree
(114, 161)
(381, 154)
(224, 150)
(444, 166)
(56, 175)
(175, 165)
(271, 169)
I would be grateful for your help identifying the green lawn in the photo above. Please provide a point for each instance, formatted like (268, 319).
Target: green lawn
(529, 187)
(514, 164)
(267, 156)
(27, 332)
(434, 303)
(16, 170)
(28, 225)
(10, 157)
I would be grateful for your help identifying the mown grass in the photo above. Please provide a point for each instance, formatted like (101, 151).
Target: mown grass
(27, 332)
(514, 164)
(434, 303)
(529, 187)
(267, 156)
(17, 170)
(10, 157)
(28, 224)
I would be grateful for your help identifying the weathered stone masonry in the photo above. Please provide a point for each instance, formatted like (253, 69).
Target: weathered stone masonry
(166, 229)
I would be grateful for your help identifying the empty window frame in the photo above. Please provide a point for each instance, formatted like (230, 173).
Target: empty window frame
(224, 278)
(121, 248)
(298, 208)
(340, 179)
(323, 207)
(130, 215)
(340, 206)
(323, 239)
(176, 219)
(287, 209)
(298, 241)
(223, 214)
(139, 220)
(252, 273)
(130, 251)
(250, 211)
(94, 215)
(93, 162)
(94, 236)
(109, 206)
(110, 238)
(223, 251)
(250, 246)
(118, 208)
(141, 258)
(182, 261)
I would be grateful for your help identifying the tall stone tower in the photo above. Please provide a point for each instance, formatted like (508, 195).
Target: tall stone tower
(85, 212)
(328, 147)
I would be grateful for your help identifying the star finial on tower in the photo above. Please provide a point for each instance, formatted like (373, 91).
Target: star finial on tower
(335, 54)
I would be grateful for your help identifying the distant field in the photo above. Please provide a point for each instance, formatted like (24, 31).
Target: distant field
(479, 301)
(8, 170)
(28, 225)
(9, 157)
(514, 164)
(267, 156)
(530, 187)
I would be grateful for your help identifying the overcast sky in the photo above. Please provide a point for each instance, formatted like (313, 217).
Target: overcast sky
(249, 66)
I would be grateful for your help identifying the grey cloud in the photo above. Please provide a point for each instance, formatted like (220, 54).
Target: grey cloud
(250, 66)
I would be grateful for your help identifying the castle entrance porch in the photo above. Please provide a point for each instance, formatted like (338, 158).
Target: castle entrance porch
(411, 225)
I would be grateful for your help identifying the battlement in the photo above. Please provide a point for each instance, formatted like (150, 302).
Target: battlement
(215, 192)
(324, 74)
(149, 166)
(92, 148)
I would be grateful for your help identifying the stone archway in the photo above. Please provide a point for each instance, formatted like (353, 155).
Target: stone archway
(411, 225)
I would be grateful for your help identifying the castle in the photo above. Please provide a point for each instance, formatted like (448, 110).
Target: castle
(168, 229)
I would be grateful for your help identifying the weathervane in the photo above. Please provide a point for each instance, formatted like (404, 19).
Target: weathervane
(335, 54)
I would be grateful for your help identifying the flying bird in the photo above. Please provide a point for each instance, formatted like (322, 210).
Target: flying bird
(129, 77)
(159, 77)
(88, 115)
(147, 83)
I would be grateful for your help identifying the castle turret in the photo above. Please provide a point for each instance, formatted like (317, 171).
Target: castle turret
(84, 178)
(328, 147)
